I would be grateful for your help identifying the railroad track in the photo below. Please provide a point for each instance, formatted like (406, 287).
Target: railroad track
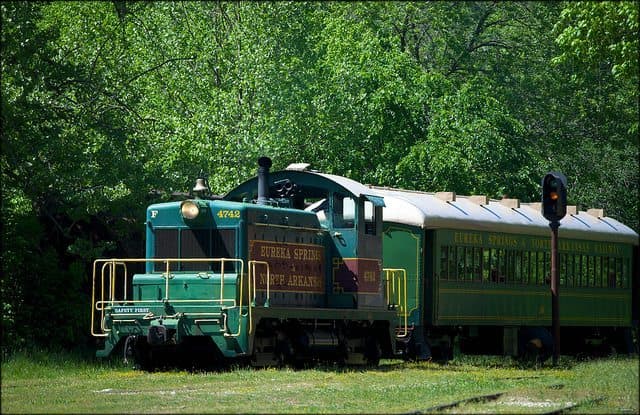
(573, 406)
(485, 398)
(473, 399)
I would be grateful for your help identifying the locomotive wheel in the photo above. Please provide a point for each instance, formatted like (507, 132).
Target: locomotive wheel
(142, 354)
(372, 351)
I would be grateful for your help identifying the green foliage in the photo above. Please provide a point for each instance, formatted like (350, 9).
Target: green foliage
(598, 52)
(597, 33)
(109, 106)
(474, 146)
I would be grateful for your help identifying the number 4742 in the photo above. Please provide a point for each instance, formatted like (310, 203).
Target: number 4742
(229, 214)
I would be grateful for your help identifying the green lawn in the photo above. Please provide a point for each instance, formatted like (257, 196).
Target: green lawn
(59, 383)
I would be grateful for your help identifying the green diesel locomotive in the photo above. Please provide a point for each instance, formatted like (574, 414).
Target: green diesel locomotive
(287, 268)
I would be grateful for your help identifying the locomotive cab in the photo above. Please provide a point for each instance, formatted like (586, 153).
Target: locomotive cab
(351, 218)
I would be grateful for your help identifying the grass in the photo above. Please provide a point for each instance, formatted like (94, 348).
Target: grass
(61, 383)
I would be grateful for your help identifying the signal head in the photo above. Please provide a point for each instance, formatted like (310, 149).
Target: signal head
(554, 196)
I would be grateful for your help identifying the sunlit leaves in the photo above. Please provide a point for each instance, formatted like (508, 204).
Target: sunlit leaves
(601, 33)
(474, 146)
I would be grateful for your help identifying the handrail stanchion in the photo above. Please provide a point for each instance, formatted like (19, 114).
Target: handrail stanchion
(126, 272)
(250, 324)
(166, 278)
(393, 282)
(101, 302)
(240, 306)
(252, 277)
(399, 274)
(403, 274)
(93, 295)
(222, 280)
(386, 285)
(98, 305)
(399, 292)
(102, 296)
(112, 282)
(250, 304)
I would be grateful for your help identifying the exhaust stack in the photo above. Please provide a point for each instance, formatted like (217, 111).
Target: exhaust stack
(264, 164)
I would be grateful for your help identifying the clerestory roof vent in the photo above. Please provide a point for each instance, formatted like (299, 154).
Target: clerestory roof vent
(446, 196)
(596, 213)
(479, 199)
(510, 203)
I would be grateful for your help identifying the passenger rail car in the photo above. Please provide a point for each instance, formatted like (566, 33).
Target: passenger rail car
(298, 266)
(479, 274)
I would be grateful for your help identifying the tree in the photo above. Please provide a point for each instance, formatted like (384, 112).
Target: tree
(600, 34)
(474, 146)
(598, 52)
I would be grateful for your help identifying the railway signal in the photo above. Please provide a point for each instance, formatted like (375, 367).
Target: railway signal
(554, 196)
(554, 208)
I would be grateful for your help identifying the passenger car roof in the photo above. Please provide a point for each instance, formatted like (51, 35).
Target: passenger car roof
(430, 210)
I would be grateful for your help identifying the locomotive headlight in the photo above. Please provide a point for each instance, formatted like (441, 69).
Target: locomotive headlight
(189, 209)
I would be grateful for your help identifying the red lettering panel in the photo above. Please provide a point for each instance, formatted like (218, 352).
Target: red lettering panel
(357, 275)
(292, 267)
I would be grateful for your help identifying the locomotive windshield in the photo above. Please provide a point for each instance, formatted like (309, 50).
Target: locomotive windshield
(194, 243)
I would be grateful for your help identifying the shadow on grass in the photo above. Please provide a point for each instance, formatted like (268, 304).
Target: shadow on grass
(462, 363)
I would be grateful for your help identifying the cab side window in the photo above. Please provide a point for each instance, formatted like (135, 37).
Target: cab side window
(344, 211)
(369, 218)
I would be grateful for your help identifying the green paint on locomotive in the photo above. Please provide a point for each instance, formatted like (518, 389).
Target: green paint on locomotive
(199, 298)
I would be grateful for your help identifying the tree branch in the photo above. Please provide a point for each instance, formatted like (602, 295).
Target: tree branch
(153, 68)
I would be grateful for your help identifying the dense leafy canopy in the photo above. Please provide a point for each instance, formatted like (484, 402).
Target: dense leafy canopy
(108, 106)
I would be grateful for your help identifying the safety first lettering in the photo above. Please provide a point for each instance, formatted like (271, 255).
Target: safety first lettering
(131, 310)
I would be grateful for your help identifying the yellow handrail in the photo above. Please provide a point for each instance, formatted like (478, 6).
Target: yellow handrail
(111, 265)
(225, 334)
(252, 272)
(252, 279)
(399, 274)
